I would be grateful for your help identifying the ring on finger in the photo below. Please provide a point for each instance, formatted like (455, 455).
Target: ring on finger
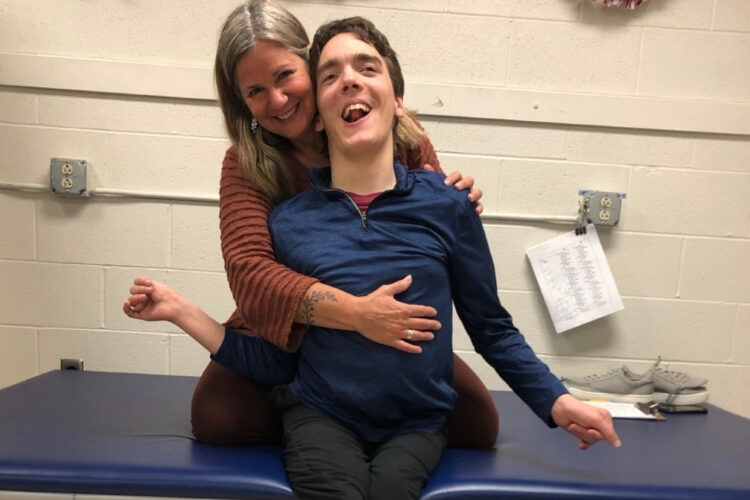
(409, 334)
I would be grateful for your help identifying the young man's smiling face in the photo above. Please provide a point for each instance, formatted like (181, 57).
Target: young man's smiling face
(356, 101)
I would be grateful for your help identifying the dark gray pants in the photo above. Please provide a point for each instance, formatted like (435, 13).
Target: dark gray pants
(326, 460)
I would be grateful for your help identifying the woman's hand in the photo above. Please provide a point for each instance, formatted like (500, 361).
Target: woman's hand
(457, 180)
(383, 319)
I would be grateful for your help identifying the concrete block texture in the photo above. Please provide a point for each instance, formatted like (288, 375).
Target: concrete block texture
(697, 203)
(186, 356)
(718, 66)
(730, 154)
(17, 218)
(18, 354)
(716, 269)
(167, 164)
(630, 147)
(478, 137)
(44, 33)
(566, 56)
(96, 231)
(654, 255)
(50, 294)
(18, 106)
(542, 9)
(741, 346)
(508, 244)
(27, 151)
(103, 350)
(551, 188)
(431, 56)
(678, 329)
(120, 161)
(186, 30)
(195, 239)
(732, 15)
(164, 116)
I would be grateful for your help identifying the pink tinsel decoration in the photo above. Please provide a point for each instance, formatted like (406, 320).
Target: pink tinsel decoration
(629, 4)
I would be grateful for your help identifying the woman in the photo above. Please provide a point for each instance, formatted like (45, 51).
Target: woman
(266, 95)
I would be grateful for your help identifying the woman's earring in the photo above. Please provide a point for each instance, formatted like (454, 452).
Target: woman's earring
(254, 125)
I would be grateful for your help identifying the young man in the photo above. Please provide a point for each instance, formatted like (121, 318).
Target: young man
(363, 420)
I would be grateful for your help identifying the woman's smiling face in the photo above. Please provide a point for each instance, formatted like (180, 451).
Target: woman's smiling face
(275, 84)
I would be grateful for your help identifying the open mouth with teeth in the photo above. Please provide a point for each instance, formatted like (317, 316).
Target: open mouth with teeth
(287, 114)
(355, 112)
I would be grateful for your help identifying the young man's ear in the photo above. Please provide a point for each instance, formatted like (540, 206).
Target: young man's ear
(318, 123)
(400, 108)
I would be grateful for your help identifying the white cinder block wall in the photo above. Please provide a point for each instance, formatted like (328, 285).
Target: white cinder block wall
(536, 99)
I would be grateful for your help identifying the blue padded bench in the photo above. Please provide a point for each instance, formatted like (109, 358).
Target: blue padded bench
(129, 434)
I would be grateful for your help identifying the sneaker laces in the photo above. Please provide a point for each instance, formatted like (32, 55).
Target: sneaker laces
(674, 376)
(599, 376)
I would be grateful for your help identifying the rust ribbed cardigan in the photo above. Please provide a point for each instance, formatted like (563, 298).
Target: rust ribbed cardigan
(268, 294)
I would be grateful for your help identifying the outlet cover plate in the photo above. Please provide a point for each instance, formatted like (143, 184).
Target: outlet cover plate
(68, 176)
(603, 207)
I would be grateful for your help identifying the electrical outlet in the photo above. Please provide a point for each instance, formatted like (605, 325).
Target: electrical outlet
(603, 207)
(68, 176)
(71, 364)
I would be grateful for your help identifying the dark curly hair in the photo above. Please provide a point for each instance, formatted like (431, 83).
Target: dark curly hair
(408, 134)
(368, 33)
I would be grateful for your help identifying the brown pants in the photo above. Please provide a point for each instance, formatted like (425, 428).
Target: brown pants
(229, 410)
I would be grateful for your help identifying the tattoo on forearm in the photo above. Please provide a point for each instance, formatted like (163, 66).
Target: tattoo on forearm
(308, 304)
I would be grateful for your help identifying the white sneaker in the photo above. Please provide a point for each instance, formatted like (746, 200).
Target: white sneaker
(618, 385)
(673, 387)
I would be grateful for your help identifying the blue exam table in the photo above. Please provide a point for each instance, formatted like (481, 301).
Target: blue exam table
(129, 434)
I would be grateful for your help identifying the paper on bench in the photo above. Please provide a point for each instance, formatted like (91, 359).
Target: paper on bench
(575, 279)
(626, 410)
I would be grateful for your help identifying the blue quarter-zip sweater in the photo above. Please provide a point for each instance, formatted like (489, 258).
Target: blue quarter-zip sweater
(420, 227)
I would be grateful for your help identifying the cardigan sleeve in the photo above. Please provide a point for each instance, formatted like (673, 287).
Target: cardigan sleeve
(267, 294)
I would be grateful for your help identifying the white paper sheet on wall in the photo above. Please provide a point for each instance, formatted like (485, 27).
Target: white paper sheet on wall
(575, 279)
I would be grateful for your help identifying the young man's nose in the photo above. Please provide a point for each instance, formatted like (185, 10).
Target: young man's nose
(349, 78)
